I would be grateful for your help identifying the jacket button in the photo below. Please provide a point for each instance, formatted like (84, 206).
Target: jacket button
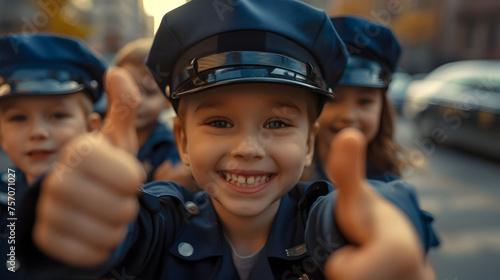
(5, 177)
(192, 208)
(16, 266)
(185, 249)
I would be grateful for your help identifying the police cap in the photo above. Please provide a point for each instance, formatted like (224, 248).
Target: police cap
(373, 49)
(46, 64)
(207, 43)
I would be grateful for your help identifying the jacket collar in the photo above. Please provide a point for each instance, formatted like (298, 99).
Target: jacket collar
(204, 228)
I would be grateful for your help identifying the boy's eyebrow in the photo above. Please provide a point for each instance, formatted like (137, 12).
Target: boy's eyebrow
(207, 105)
(275, 104)
(4, 108)
(366, 91)
(282, 104)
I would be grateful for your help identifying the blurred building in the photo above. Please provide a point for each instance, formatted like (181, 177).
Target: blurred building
(414, 22)
(432, 32)
(470, 30)
(118, 22)
(12, 13)
(106, 24)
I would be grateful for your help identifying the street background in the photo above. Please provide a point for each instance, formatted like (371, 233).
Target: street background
(460, 188)
(462, 191)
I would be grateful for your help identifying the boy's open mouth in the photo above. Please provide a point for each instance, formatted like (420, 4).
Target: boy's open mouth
(246, 181)
(39, 154)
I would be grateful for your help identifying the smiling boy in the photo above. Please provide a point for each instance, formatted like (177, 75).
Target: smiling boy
(247, 88)
(49, 84)
(35, 128)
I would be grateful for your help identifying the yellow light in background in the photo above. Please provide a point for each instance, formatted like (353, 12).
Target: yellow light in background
(158, 8)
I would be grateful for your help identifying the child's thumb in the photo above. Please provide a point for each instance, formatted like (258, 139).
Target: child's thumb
(347, 160)
(123, 102)
(347, 165)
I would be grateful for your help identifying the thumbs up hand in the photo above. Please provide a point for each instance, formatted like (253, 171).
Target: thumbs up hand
(386, 244)
(89, 197)
(123, 102)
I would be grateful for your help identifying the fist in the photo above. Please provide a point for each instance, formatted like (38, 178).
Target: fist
(89, 197)
(83, 212)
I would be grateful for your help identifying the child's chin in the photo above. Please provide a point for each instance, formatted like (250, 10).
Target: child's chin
(35, 172)
(246, 209)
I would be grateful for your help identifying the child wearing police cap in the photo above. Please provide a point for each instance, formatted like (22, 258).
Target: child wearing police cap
(247, 85)
(48, 84)
(157, 150)
(361, 100)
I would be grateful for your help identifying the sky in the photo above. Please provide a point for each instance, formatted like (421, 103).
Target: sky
(158, 8)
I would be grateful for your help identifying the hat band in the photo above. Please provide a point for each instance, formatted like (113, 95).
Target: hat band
(241, 66)
(44, 82)
(365, 73)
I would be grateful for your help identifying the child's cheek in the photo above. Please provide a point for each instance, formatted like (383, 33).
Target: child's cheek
(289, 151)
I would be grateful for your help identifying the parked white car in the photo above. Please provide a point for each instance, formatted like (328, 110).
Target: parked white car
(459, 104)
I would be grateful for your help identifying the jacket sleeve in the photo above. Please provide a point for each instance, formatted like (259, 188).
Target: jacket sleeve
(161, 216)
(323, 235)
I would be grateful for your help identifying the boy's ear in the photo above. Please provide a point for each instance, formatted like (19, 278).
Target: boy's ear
(181, 141)
(93, 122)
(310, 144)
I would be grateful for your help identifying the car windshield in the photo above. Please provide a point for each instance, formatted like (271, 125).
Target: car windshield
(479, 74)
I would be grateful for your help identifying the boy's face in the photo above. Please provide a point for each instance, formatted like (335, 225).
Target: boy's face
(34, 129)
(153, 102)
(358, 107)
(247, 144)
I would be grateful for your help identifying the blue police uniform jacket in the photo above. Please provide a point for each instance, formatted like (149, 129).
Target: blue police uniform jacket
(178, 235)
(20, 186)
(159, 147)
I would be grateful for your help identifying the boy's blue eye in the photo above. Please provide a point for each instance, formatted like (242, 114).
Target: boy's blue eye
(220, 124)
(365, 101)
(276, 124)
(59, 115)
(17, 118)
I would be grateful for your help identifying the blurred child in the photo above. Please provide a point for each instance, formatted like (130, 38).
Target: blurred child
(361, 100)
(248, 86)
(48, 85)
(157, 151)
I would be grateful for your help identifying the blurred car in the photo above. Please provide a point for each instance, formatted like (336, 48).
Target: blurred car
(397, 89)
(458, 104)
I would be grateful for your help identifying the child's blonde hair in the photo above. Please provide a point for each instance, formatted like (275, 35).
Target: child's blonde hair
(134, 53)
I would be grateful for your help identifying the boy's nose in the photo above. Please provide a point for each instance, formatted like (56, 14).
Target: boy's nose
(38, 131)
(249, 148)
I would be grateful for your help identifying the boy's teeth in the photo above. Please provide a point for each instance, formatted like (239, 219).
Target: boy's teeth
(241, 180)
(251, 181)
